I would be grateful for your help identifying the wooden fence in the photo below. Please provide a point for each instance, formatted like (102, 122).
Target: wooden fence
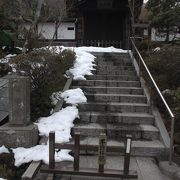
(100, 43)
(76, 170)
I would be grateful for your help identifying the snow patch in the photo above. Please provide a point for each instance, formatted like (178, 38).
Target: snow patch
(156, 49)
(7, 58)
(84, 63)
(3, 149)
(60, 122)
(38, 153)
(74, 96)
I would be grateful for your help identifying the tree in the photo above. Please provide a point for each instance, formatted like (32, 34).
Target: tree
(165, 15)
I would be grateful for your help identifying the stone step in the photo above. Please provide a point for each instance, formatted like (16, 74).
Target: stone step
(116, 98)
(4, 104)
(117, 68)
(138, 148)
(116, 118)
(110, 77)
(115, 107)
(114, 72)
(114, 63)
(117, 132)
(111, 54)
(111, 90)
(107, 83)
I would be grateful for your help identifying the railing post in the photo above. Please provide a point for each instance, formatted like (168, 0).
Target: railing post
(127, 154)
(171, 141)
(51, 149)
(76, 151)
(102, 152)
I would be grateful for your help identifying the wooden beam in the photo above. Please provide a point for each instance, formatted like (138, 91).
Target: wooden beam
(32, 170)
(93, 172)
(51, 149)
(76, 151)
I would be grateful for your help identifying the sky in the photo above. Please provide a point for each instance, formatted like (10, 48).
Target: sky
(145, 1)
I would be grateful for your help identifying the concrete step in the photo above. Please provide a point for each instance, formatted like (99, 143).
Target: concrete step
(122, 62)
(138, 148)
(116, 98)
(107, 83)
(4, 104)
(111, 55)
(146, 167)
(110, 77)
(111, 90)
(117, 68)
(114, 72)
(117, 132)
(115, 107)
(116, 118)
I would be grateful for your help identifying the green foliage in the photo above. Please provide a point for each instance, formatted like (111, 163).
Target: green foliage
(165, 68)
(46, 70)
(165, 15)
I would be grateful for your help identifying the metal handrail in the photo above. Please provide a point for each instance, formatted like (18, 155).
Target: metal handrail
(162, 98)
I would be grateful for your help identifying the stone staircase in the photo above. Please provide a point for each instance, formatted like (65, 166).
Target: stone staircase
(117, 106)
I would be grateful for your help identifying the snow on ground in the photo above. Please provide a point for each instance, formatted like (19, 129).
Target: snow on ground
(7, 58)
(83, 65)
(2, 179)
(3, 149)
(84, 62)
(74, 96)
(37, 153)
(101, 49)
(61, 122)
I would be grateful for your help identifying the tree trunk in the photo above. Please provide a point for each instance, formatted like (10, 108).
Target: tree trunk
(33, 25)
(167, 34)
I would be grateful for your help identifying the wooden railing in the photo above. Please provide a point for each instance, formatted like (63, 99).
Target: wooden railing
(100, 43)
(76, 170)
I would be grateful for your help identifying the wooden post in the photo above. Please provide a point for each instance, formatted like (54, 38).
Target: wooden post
(76, 151)
(127, 154)
(51, 149)
(102, 152)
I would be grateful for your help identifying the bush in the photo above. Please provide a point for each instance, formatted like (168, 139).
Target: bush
(46, 70)
(165, 68)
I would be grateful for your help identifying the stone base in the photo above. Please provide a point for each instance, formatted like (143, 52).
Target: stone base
(18, 136)
(173, 171)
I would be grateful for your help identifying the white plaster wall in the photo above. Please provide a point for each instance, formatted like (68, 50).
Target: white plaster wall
(46, 30)
(64, 33)
(161, 37)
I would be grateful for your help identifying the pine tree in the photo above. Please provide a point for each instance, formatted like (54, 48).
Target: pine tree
(165, 15)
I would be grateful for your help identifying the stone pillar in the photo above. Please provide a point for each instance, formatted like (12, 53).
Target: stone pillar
(19, 100)
(19, 131)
